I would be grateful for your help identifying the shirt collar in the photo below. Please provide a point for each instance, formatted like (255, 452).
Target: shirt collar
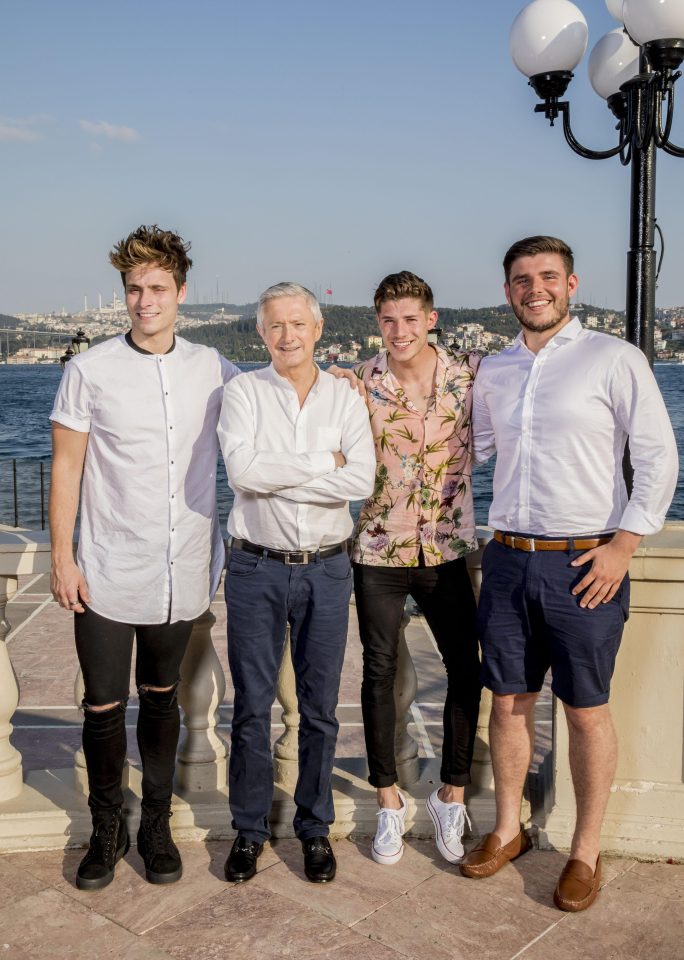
(131, 343)
(570, 331)
(285, 383)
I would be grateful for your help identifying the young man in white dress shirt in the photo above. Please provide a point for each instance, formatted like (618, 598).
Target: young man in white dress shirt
(135, 420)
(298, 447)
(558, 407)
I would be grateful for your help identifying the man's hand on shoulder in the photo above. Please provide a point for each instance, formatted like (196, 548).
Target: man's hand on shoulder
(68, 586)
(609, 564)
(346, 373)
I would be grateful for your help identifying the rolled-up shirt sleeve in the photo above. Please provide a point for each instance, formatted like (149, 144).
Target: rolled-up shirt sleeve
(73, 404)
(260, 471)
(641, 412)
(484, 440)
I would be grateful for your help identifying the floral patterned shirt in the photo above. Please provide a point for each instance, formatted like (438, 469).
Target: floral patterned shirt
(423, 480)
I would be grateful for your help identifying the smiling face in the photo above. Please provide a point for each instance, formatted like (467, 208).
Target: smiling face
(152, 300)
(539, 291)
(290, 333)
(404, 325)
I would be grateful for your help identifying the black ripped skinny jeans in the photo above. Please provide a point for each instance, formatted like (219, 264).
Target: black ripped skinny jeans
(105, 649)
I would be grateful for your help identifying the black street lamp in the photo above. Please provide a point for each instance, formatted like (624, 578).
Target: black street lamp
(635, 69)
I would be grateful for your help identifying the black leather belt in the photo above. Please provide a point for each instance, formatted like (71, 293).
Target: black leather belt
(531, 545)
(290, 556)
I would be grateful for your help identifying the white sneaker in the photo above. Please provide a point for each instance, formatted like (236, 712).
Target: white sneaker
(449, 820)
(388, 847)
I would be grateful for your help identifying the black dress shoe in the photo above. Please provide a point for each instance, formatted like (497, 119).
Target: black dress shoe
(319, 860)
(242, 859)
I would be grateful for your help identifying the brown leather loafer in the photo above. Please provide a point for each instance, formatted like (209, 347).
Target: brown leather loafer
(578, 886)
(489, 855)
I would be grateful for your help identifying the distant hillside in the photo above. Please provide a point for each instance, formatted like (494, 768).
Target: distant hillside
(7, 321)
(240, 341)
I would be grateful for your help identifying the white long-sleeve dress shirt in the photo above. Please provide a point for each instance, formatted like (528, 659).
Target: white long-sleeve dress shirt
(289, 495)
(558, 421)
(150, 545)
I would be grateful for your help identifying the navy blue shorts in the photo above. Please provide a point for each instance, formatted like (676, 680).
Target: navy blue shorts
(529, 621)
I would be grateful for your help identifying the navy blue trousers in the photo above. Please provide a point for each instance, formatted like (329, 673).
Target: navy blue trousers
(263, 596)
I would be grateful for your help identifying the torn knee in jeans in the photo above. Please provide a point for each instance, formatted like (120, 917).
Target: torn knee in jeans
(160, 695)
(96, 708)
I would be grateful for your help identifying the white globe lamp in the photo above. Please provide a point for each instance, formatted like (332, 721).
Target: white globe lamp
(613, 61)
(648, 20)
(615, 9)
(548, 36)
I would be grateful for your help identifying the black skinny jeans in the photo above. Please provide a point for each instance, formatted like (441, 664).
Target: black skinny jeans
(445, 596)
(105, 649)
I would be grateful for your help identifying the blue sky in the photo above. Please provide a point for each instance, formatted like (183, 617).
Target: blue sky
(329, 143)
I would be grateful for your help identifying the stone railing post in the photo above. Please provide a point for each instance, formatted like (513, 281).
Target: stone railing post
(10, 758)
(482, 771)
(286, 747)
(405, 689)
(645, 813)
(201, 762)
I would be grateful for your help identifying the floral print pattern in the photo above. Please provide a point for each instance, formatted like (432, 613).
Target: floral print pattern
(423, 481)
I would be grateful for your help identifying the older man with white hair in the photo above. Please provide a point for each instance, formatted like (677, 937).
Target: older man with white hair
(298, 447)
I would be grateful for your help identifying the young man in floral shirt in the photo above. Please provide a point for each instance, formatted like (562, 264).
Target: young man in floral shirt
(412, 537)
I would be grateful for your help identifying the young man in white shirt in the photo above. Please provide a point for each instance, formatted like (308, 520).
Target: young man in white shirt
(558, 407)
(298, 447)
(135, 420)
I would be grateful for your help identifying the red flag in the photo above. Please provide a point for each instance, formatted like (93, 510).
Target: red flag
(328, 293)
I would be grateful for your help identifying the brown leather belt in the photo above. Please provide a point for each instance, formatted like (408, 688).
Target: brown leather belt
(291, 557)
(531, 544)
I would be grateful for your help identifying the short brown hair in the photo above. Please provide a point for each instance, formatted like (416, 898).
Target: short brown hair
(152, 245)
(531, 246)
(398, 286)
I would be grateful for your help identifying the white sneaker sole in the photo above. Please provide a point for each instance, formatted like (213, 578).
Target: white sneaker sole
(441, 846)
(387, 859)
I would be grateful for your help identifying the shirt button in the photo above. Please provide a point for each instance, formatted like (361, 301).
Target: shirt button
(173, 495)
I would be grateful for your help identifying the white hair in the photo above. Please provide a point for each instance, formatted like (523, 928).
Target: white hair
(288, 289)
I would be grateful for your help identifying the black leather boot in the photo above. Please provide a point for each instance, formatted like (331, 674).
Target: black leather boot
(109, 842)
(156, 847)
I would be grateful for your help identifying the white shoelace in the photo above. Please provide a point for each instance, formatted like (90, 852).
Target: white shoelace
(456, 821)
(390, 826)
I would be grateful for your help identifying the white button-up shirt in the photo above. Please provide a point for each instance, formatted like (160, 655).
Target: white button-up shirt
(279, 459)
(559, 420)
(150, 545)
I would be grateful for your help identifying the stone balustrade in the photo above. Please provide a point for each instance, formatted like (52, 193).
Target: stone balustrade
(645, 815)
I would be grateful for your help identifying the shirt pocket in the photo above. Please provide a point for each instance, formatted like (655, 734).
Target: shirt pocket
(328, 438)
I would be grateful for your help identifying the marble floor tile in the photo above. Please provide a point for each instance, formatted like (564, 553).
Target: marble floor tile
(51, 926)
(130, 900)
(361, 886)
(448, 918)
(531, 879)
(630, 920)
(252, 923)
(662, 879)
(16, 883)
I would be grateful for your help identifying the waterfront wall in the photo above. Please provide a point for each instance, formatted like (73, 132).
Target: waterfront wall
(646, 810)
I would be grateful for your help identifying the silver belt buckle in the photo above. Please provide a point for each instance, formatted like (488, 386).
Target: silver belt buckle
(532, 546)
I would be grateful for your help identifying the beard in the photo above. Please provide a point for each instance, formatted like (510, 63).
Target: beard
(559, 312)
